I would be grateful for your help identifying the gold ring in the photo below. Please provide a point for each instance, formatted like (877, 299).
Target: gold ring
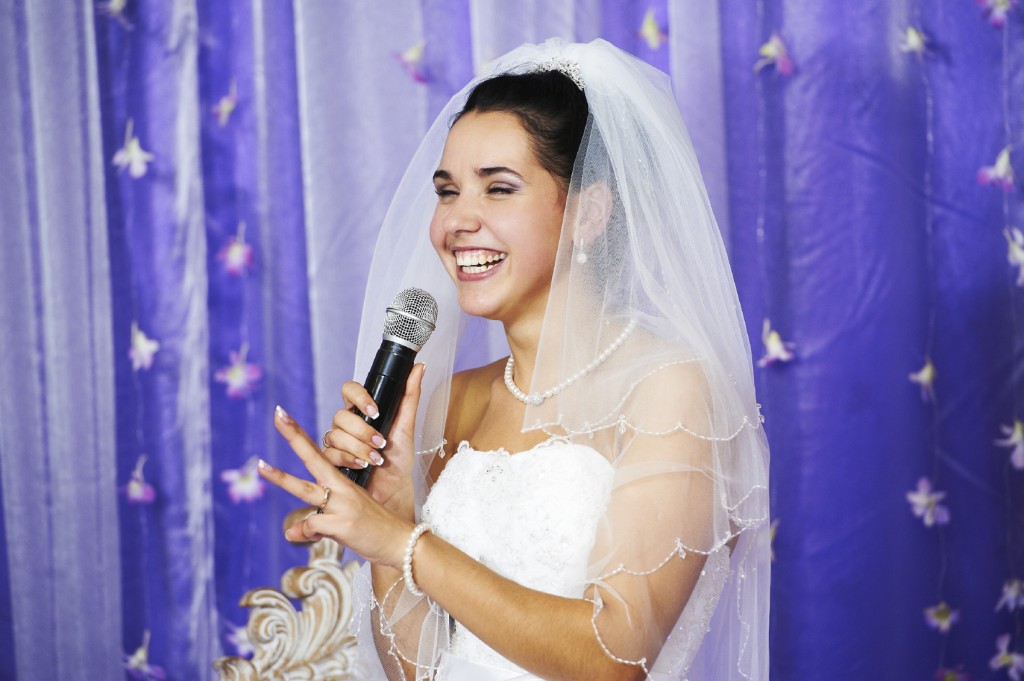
(323, 504)
(323, 440)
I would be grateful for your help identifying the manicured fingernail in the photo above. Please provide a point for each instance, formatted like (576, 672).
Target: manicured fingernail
(264, 466)
(372, 411)
(378, 441)
(283, 416)
(363, 463)
(376, 458)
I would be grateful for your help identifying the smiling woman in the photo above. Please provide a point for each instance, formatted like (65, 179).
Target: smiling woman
(594, 504)
(498, 218)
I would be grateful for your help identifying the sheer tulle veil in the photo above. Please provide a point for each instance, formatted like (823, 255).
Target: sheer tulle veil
(672, 408)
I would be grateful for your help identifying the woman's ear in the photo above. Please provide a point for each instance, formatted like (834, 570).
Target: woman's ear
(595, 209)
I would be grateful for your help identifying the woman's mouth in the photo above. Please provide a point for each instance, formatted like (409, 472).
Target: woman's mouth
(478, 261)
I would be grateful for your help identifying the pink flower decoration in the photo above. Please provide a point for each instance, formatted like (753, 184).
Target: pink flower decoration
(1012, 597)
(1000, 173)
(138, 491)
(142, 350)
(239, 376)
(1014, 662)
(1014, 440)
(1015, 252)
(412, 62)
(244, 484)
(236, 253)
(775, 349)
(137, 664)
(996, 10)
(238, 637)
(946, 674)
(651, 32)
(774, 53)
(226, 105)
(925, 504)
(925, 377)
(941, 617)
(132, 156)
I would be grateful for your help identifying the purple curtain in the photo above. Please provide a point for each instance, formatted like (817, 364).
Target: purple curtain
(190, 196)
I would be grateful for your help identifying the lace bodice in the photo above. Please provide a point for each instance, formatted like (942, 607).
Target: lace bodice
(529, 516)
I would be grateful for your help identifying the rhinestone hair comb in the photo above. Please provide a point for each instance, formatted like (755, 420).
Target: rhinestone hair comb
(566, 67)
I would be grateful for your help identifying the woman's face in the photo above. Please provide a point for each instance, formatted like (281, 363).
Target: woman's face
(498, 217)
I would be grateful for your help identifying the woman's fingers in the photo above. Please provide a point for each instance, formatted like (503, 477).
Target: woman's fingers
(405, 419)
(305, 449)
(355, 395)
(344, 449)
(304, 490)
(303, 531)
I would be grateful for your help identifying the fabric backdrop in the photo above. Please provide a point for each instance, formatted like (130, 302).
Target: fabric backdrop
(190, 193)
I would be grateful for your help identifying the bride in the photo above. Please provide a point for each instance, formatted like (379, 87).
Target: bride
(594, 504)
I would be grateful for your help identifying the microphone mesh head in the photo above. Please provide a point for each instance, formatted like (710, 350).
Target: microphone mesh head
(411, 316)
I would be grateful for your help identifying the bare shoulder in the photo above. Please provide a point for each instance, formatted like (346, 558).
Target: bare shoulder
(469, 400)
(469, 382)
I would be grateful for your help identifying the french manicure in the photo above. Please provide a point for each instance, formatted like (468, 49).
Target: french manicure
(372, 411)
(264, 466)
(378, 441)
(363, 463)
(376, 458)
(283, 416)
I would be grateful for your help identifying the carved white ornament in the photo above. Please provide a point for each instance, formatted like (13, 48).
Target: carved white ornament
(300, 645)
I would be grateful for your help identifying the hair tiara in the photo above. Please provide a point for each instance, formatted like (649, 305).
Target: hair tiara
(566, 67)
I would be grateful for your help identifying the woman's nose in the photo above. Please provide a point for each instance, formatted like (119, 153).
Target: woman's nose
(461, 217)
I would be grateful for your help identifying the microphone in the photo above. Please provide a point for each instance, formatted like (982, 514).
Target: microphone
(408, 323)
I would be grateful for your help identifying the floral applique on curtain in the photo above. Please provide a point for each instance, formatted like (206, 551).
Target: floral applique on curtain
(651, 31)
(774, 53)
(411, 60)
(239, 376)
(1014, 441)
(999, 174)
(924, 503)
(138, 491)
(131, 156)
(236, 254)
(775, 349)
(244, 483)
(142, 350)
(226, 105)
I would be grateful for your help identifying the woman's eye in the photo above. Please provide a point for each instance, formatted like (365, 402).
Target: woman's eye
(443, 193)
(500, 190)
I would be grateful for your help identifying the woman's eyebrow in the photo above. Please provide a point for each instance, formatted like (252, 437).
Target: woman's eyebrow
(495, 170)
(482, 172)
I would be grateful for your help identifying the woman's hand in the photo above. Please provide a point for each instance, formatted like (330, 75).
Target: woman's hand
(353, 443)
(350, 516)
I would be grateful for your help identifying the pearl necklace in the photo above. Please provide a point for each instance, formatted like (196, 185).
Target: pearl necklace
(535, 399)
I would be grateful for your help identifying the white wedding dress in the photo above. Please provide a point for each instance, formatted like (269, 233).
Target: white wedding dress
(531, 516)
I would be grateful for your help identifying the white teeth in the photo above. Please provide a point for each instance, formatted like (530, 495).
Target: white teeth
(478, 269)
(474, 262)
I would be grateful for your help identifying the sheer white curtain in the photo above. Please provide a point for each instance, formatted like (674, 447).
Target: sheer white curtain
(57, 408)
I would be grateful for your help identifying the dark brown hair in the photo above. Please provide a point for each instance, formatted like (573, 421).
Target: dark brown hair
(551, 108)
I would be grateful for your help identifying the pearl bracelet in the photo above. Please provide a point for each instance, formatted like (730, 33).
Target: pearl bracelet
(407, 559)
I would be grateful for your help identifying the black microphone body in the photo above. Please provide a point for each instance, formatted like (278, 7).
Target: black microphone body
(408, 323)
(386, 384)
